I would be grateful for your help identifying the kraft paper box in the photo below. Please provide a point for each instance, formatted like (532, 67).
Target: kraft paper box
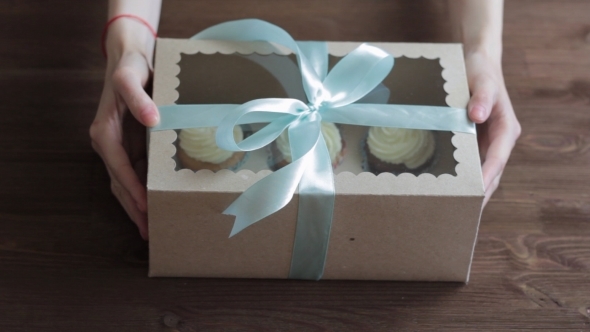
(385, 227)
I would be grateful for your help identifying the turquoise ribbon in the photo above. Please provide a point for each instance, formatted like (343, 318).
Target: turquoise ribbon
(332, 98)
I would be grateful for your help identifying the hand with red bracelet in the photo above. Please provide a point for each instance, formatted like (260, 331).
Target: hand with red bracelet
(128, 42)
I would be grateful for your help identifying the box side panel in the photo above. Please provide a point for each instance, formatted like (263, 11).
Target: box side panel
(373, 237)
(189, 237)
(422, 238)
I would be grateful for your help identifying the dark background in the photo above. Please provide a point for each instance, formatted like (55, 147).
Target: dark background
(70, 260)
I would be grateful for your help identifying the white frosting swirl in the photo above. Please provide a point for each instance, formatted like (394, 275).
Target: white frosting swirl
(398, 145)
(331, 136)
(199, 144)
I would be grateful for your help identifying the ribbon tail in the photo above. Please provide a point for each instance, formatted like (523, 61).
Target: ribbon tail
(314, 219)
(266, 196)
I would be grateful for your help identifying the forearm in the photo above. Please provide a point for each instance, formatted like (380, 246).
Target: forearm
(126, 35)
(478, 25)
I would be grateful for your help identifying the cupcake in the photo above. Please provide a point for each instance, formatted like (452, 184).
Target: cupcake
(281, 151)
(399, 150)
(198, 150)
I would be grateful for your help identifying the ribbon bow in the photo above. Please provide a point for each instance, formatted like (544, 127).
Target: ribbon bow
(332, 98)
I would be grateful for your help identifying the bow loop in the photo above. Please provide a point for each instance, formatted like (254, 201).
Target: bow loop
(357, 74)
(257, 30)
(289, 108)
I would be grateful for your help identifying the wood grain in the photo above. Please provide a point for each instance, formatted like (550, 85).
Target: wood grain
(70, 260)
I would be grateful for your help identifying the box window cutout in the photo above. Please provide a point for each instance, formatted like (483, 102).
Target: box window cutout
(413, 81)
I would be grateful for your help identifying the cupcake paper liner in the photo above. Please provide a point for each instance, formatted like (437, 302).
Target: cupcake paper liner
(365, 161)
(247, 132)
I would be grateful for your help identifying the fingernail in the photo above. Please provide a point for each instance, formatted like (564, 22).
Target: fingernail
(477, 113)
(150, 117)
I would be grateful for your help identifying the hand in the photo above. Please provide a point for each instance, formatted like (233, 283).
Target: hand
(490, 107)
(126, 77)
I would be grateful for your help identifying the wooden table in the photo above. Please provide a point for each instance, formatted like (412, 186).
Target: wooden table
(70, 260)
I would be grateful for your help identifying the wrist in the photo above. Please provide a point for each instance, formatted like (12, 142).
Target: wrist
(129, 36)
(488, 47)
(478, 25)
(479, 60)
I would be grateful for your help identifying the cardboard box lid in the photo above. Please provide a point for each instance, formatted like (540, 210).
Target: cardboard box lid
(162, 175)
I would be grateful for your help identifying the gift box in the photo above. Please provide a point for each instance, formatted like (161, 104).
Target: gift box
(382, 226)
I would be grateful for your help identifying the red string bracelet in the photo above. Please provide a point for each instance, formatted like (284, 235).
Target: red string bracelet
(106, 29)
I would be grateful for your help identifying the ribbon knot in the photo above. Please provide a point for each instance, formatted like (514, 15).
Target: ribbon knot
(322, 95)
(312, 108)
(311, 112)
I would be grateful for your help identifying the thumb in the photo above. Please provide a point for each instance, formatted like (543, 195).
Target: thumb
(484, 97)
(128, 83)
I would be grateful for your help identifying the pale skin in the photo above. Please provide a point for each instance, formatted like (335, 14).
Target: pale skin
(130, 47)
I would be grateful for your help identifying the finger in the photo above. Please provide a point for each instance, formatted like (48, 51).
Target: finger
(128, 84)
(492, 172)
(121, 170)
(138, 217)
(495, 161)
(133, 137)
(484, 97)
(140, 168)
(491, 189)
